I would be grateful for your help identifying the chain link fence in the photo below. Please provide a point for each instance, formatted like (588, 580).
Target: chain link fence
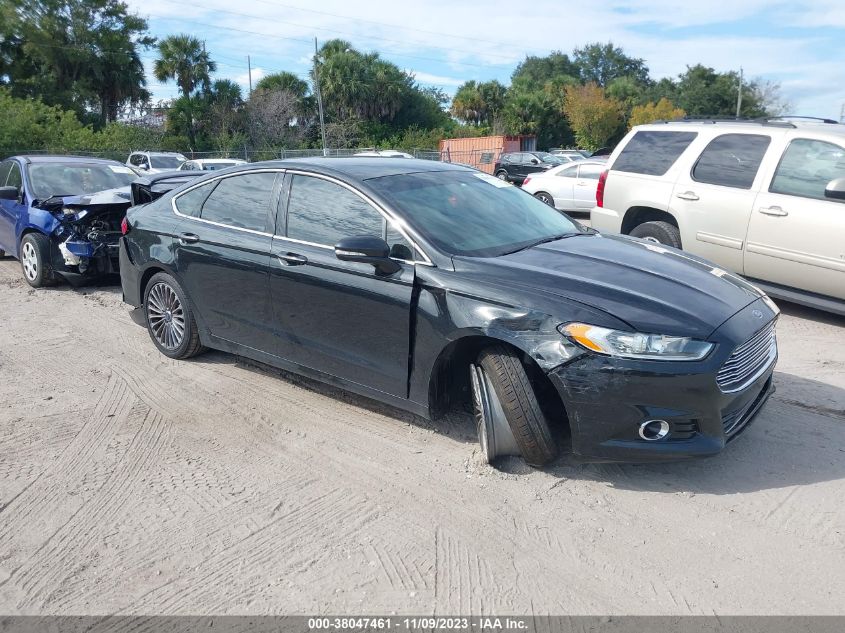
(480, 159)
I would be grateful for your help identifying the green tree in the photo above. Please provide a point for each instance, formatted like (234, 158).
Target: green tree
(183, 58)
(284, 81)
(602, 63)
(594, 117)
(535, 99)
(82, 55)
(479, 103)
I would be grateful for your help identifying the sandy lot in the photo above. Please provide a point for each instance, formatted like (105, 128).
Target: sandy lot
(130, 483)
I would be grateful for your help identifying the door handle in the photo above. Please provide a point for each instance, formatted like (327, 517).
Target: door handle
(687, 195)
(188, 238)
(292, 259)
(775, 210)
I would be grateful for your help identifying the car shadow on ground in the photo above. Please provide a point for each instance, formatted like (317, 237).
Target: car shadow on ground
(812, 314)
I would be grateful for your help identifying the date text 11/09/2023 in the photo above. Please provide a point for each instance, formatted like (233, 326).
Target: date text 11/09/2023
(426, 623)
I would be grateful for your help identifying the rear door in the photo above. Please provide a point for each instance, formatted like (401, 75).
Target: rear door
(340, 318)
(713, 200)
(796, 236)
(223, 250)
(584, 189)
(562, 185)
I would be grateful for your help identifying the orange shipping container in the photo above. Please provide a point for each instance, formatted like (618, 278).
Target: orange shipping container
(482, 152)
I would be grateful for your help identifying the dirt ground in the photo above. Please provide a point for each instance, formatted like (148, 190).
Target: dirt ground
(130, 483)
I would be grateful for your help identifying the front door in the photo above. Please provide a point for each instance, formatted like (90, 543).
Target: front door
(340, 318)
(8, 213)
(713, 201)
(223, 250)
(796, 236)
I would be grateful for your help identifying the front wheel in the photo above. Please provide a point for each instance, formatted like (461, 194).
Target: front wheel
(170, 319)
(502, 175)
(507, 411)
(35, 260)
(542, 196)
(658, 232)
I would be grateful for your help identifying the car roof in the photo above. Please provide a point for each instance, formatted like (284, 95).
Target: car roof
(786, 123)
(51, 158)
(216, 160)
(361, 167)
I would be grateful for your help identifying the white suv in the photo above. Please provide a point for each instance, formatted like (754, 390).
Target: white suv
(764, 199)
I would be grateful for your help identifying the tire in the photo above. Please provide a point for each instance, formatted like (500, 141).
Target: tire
(36, 265)
(502, 175)
(170, 319)
(660, 232)
(519, 402)
(542, 196)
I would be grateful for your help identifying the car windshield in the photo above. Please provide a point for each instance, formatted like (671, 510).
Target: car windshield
(166, 162)
(73, 179)
(472, 213)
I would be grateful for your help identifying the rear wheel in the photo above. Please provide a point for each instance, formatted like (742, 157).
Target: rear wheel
(35, 260)
(542, 196)
(502, 175)
(170, 320)
(659, 232)
(502, 389)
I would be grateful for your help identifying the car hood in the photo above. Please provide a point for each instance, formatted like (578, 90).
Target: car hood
(653, 288)
(121, 195)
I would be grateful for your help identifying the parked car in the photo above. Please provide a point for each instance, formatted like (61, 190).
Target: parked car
(384, 153)
(210, 164)
(569, 154)
(514, 167)
(570, 187)
(763, 199)
(155, 162)
(420, 283)
(60, 215)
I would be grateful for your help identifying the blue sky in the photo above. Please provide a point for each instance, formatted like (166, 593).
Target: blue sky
(447, 42)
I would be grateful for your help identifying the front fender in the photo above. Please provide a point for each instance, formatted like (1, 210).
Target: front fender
(37, 220)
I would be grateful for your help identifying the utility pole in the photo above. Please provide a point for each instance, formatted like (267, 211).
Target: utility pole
(249, 71)
(319, 96)
(739, 94)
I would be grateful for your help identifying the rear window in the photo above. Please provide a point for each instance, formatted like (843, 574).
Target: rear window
(652, 153)
(731, 160)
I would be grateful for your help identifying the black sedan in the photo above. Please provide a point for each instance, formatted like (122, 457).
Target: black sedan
(515, 167)
(424, 284)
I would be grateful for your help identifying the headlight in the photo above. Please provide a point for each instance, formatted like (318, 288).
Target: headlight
(635, 344)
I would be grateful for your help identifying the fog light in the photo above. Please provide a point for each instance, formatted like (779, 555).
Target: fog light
(654, 430)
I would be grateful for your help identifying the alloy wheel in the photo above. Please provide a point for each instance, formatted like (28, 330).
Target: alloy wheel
(29, 260)
(166, 316)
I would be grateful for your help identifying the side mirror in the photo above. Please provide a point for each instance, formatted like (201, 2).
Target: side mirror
(835, 189)
(9, 193)
(535, 161)
(366, 249)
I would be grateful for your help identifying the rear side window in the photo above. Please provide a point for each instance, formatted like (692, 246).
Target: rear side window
(241, 201)
(190, 203)
(807, 166)
(591, 172)
(652, 153)
(731, 160)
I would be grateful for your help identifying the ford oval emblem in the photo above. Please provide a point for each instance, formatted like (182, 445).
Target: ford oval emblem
(757, 314)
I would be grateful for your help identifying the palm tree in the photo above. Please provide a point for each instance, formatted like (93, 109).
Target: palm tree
(284, 81)
(184, 59)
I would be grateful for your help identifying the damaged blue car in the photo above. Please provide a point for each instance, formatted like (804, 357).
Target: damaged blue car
(61, 215)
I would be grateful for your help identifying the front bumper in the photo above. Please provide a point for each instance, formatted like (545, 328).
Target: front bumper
(607, 399)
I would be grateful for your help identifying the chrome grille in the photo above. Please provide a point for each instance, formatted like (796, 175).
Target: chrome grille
(748, 361)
